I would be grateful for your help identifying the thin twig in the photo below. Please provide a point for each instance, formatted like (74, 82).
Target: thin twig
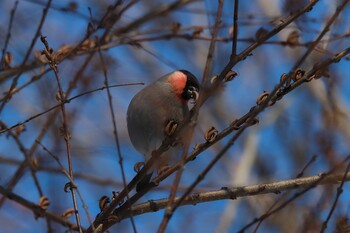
(8, 36)
(201, 176)
(170, 209)
(61, 96)
(66, 173)
(156, 12)
(101, 181)
(286, 21)
(31, 81)
(66, 101)
(20, 170)
(29, 50)
(235, 29)
(36, 209)
(300, 174)
(312, 160)
(321, 35)
(115, 132)
(190, 37)
(28, 160)
(339, 192)
(322, 178)
(63, 9)
(159, 57)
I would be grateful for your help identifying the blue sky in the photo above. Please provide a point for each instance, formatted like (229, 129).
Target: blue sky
(288, 134)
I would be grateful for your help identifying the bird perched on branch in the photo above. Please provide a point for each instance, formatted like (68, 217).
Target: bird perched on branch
(155, 112)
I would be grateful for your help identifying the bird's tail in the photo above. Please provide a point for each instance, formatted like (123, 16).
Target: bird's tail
(144, 182)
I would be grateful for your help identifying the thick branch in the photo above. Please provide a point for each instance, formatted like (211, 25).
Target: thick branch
(233, 193)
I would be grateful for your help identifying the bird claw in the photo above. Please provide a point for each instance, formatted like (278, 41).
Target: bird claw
(170, 127)
(138, 166)
(161, 170)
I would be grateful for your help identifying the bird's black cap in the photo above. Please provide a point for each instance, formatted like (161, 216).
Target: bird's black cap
(191, 83)
(191, 79)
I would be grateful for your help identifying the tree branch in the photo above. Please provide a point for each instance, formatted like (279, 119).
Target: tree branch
(233, 193)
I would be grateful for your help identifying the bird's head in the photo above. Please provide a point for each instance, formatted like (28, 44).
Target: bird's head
(185, 85)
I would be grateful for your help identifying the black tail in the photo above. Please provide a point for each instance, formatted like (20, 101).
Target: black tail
(144, 182)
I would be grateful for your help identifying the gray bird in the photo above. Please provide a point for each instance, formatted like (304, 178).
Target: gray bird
(151, 109)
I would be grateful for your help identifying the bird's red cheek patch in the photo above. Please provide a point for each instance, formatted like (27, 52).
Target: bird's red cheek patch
(178, 82)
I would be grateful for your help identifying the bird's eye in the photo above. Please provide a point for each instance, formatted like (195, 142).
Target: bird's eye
(192, 93)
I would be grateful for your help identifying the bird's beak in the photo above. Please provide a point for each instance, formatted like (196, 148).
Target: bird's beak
(195, 95)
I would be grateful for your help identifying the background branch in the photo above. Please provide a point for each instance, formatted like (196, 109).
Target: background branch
(274, 47)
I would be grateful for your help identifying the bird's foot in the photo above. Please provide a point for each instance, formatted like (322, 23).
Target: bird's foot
(162, 169)
(138, 166)
(170, 127)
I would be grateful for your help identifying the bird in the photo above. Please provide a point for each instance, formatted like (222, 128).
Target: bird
(159, 105)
